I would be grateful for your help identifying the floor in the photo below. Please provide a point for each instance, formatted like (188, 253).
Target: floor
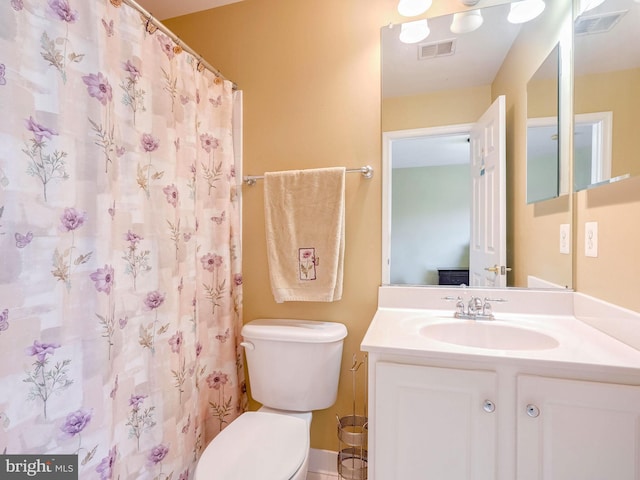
(321, 476)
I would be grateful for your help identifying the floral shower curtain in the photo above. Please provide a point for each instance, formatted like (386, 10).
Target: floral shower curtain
(120, 280)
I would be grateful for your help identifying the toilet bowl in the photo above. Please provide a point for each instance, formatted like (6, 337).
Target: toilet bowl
(294, 366)
(258, 445)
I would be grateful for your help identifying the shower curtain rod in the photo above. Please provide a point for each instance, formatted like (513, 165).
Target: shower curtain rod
(176, 39)
(366, 171)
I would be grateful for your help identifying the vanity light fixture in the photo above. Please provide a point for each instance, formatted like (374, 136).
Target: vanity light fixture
(412, 8)
(525, 10)
(413, 32)
(465, 22)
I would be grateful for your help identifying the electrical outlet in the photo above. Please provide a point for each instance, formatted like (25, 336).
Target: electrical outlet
(565, 238)
(591, 239)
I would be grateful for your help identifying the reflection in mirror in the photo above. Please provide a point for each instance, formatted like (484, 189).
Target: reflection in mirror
(430, 213)
(606, 93)
(543, 151)
(442, 85)
(428, 170)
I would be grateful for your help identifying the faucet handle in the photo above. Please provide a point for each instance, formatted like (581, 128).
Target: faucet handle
(487, 310)
(499, 300)
(459, 306)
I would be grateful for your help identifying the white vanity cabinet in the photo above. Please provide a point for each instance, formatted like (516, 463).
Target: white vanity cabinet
(568, 429)
(535, 394)
(434, 423)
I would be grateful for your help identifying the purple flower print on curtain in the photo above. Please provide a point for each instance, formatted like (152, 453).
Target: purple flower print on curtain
(155, 458)
(172, 195)
(149, 145)
(63, 10)
(211, 171)
(180, 374)
(152, 302)
(139, 420)
(105, 468)
(137, 261)
(171, 192)
(170, 79)
(157, 454)
(73, 426)
(56, 51)
(43, 164)
(216, 289)
(133, 96)
(76, 422)
(64, 261)
(98, 87)
(103, 279)
(46, 381)
(117, 187)
(221, 408)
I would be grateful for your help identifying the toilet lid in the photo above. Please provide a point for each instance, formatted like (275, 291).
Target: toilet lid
(257, 445)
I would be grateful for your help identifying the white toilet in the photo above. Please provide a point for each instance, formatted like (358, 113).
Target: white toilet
(294, 366)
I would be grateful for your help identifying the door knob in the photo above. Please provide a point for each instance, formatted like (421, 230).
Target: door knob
(498, 270)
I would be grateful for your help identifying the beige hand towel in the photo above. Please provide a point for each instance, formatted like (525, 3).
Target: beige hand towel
(304, 219)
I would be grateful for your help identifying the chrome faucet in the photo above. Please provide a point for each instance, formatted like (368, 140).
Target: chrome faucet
(475, 306)
(475, 309)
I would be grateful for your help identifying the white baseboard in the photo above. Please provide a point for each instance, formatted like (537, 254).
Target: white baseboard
(323, 461)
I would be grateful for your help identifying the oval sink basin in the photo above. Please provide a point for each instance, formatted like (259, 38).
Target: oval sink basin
(485, 334)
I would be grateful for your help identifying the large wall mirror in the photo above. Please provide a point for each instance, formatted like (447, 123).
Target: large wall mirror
(606, 92)
(433, 93)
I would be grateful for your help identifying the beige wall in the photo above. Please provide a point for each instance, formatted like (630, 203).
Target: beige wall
(310, 73)
(450, 107)
(613, 275)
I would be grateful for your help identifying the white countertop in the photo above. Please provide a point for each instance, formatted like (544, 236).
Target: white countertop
(397, 331)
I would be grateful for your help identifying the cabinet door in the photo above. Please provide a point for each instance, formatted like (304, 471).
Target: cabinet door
(434, 423)
(575, 430)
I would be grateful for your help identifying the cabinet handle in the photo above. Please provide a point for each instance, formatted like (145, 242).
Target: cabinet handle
(488, 406)
(533, 411)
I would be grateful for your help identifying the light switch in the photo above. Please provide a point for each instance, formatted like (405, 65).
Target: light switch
(565, 238)
(591, 239)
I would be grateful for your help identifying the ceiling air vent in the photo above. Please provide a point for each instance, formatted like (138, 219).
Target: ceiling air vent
(436, 49)
(592, 24)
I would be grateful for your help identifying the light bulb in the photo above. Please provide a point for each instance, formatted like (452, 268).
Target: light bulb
(412, 8)
(465, 22)
(413, 32)
(525, 10)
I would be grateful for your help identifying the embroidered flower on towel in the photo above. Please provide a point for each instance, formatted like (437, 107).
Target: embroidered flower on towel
(307, 262)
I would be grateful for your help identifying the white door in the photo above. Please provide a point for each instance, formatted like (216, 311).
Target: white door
(488, 246)
(433, 424)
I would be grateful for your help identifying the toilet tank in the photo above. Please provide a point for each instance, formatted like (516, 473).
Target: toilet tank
(294, 364)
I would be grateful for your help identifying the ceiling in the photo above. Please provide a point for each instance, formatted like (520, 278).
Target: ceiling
(475, 60)
(163, 9)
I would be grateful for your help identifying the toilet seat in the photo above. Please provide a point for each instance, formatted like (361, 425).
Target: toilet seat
(256, 445)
